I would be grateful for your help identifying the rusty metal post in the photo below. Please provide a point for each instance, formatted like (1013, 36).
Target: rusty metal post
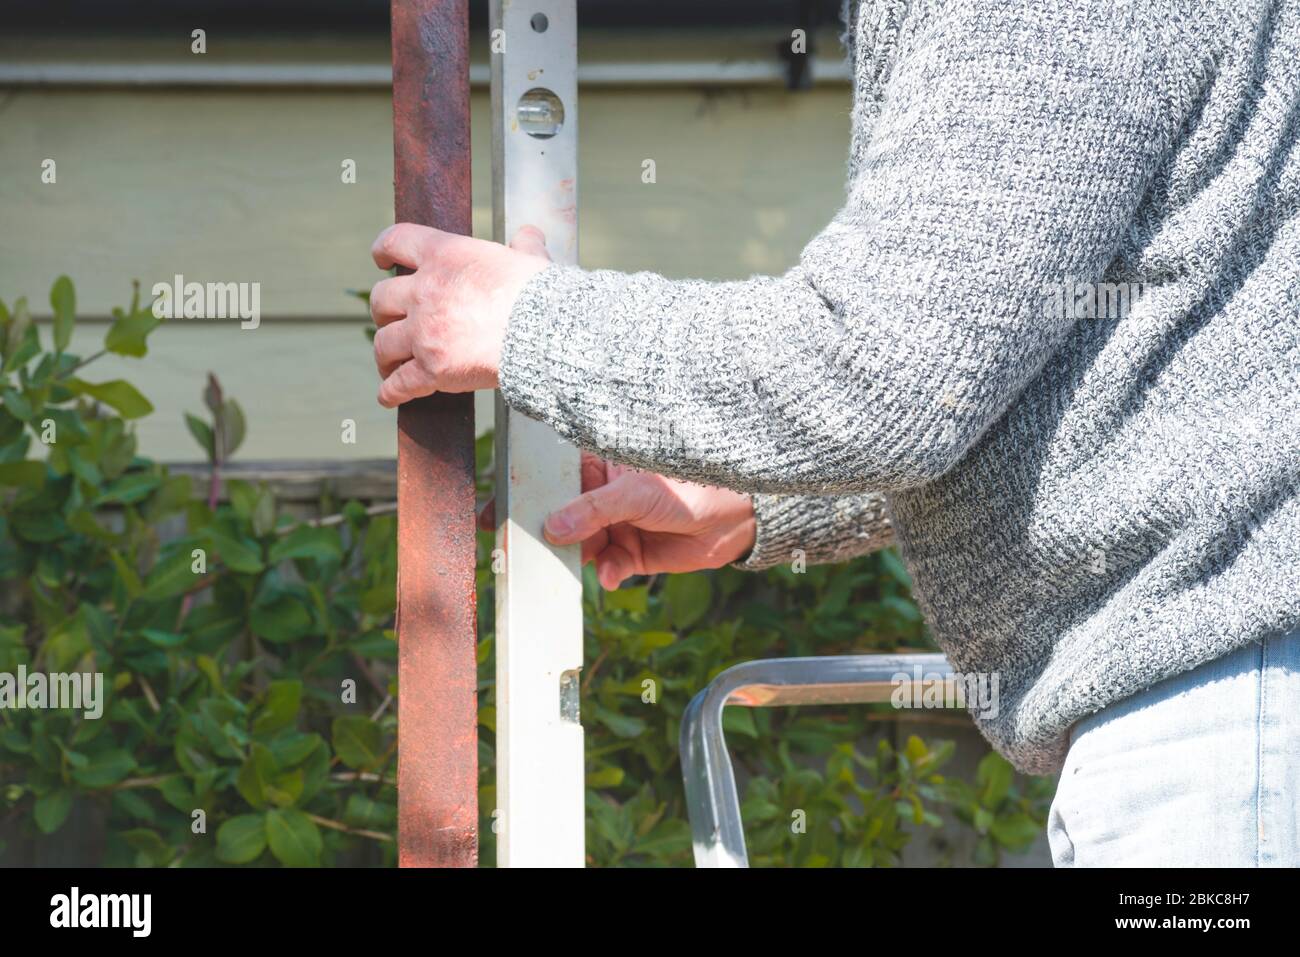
(437, 766)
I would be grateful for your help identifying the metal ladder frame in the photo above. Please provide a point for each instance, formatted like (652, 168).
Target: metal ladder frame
(712, 802)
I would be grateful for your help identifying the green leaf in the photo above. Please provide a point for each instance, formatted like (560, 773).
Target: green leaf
(128, 335)
(986, 853)
(21, 342)
(128, 576)
(68, 641)
(650, 641)
(151, 849)
(12, 740)
(75, 758)
(130, 488)
(627, 599)
(163, 639)
(51, 810)
(291, 747)
(70, 428)
(294, 838)
(202, 433)
(285, 789)
(364, 812)
(381, 600)
(281, 619)
(243, 497)
(902, 607)
(1015, 832)
(316, 770)
(105, 769)
(242, 839)
(170, 577)
(11, 434)
(120, 394)
(25, 474)
(895, 567)
(607, 777)
(255, 775)
(210, 670)
(63, 299)
(259, 506)
(688, 598)
(624, 726)
(175, 790)
(915, 749)
(17, 404)
(280, 709)
(241, 556)
(235, 428)
(39, 526)
(739, 721)
(994, 776)
(306, 541)
(358, 741)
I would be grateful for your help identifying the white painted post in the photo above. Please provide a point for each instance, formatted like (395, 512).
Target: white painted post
(540, 786)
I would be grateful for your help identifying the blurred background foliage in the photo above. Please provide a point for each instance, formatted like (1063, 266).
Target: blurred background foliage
(249, 661)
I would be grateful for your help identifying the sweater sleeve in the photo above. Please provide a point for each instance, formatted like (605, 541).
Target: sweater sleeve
(816, 528)
(1008, 155)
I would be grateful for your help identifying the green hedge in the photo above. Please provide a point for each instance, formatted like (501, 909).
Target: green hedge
(249, 663)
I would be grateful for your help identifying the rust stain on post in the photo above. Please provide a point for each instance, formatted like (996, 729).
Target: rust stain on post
(437, 768)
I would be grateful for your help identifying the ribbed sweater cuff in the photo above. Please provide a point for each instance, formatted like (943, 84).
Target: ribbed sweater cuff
(816, 529)
(778, 530)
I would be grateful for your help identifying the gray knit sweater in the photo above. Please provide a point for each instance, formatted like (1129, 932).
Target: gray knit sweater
(1050, 346)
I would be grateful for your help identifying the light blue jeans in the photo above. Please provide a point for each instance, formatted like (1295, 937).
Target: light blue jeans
(1199, 770)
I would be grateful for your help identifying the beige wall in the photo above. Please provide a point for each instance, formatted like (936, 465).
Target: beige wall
(245, 186)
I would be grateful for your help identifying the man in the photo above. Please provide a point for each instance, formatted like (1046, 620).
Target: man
(1050, 347)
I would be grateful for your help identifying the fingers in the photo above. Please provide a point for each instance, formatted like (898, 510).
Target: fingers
(594, 472)
(393, 346)
(591, 547)
(408, 381)
(406, 244)
(614, 566)
(389, 299)
(531, 241)
(619, 501)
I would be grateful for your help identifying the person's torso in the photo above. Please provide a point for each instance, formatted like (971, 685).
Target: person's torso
(1142, 488)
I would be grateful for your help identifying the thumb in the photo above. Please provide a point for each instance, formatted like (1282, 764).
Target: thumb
(531, 241)
(623, 500)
